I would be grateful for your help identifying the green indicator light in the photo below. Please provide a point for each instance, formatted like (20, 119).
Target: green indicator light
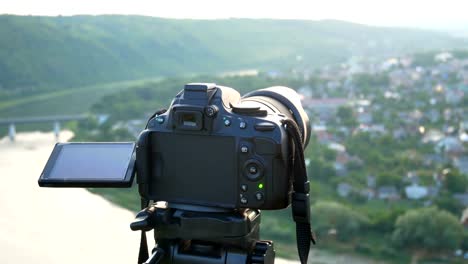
(260, 185)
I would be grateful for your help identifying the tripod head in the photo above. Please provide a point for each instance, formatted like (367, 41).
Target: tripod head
(184, 236)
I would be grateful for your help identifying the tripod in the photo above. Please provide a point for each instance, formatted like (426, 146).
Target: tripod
(196, 237)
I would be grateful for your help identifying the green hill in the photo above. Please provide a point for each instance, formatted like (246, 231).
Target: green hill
(48, 53)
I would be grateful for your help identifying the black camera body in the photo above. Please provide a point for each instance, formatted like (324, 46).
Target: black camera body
(212, 148)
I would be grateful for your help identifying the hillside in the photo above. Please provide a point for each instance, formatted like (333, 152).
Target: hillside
(47, 53)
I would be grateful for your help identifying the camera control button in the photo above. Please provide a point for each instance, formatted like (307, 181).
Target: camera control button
(244, 149)
(160, 119)
(227, 122)
(244, 200)
(242, 125)
(211, 110)
(244, 187)
(253, 170)
(259, 196)
(264, 126)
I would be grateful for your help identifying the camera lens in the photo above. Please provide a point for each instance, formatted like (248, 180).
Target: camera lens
(283, 100)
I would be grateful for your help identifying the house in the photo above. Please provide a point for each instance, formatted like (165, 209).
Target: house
(305, 91)
(443, 57)
(454, 96)
(464, 125)
(389, 64)
(344, 189)
(462, 198)
(415, 115)
(102, 118)
(320, 131)
(327, 104)
(274, 74)
(388, 193)
(399, 133)
(415, 192)
(392, 95)
(464, 217)
(433, 191)
(340, 169)
(342, 158)
(447, 114)
(371, 181)
(411, 178)
(434, 159)
(432, 136)
(333, 85)
(450, 145)
(356, 161)
(433, 115)
(461, 163)
(463, 137)
(367, 193)
(325, 108)
(364, 118)
(374, 130)
(339, 148)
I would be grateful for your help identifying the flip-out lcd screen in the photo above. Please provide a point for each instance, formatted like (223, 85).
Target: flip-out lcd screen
(89, 165)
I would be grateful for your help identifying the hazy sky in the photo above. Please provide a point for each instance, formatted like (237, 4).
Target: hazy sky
(412, 13)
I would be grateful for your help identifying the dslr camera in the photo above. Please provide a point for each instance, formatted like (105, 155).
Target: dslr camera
(214, 148)
(214, 154)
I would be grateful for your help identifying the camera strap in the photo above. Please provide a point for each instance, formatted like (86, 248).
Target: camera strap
(300, 198)
(143, 252)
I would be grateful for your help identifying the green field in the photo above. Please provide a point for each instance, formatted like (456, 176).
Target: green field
(67, 101)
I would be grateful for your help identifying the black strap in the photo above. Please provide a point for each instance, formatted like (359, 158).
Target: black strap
(300, 197)
(143, 252)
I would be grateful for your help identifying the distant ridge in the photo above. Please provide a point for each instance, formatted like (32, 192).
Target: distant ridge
(50, 52)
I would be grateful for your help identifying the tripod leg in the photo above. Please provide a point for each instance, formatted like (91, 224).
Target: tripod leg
(156, 256)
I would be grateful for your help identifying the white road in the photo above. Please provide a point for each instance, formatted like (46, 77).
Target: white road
(56, 225)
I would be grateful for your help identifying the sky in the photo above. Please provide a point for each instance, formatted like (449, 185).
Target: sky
(430, 14)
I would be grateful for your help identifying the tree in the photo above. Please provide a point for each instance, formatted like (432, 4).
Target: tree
(321, 170)
(383, 221)
(334, 216)
(446, 202)
(427, 230)
(455, 182)
(346, 116)
(389, 178)
(329, 154)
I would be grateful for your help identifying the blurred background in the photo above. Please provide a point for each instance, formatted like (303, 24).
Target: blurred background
(385, 84)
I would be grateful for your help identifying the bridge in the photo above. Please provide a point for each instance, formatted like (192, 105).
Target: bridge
(55, 120)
